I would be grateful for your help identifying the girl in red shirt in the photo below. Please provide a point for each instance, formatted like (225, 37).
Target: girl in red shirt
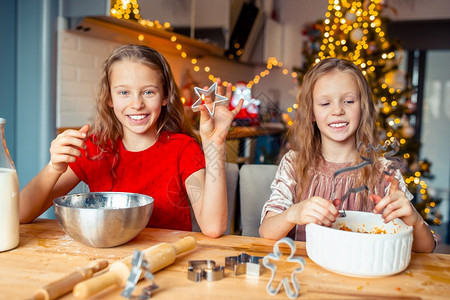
(141, 142)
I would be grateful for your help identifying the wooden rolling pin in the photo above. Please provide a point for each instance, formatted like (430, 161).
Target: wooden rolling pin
(158, 257)
(64, 285)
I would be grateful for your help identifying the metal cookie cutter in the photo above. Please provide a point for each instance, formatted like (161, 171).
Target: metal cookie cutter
(244, 263)
(201, 93)
(204, 269)
(275, 256)
(139, 263)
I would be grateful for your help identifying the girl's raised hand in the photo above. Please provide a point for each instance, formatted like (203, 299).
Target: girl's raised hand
(216, 128)
(314, 210)
(65, 148)
(396, 205)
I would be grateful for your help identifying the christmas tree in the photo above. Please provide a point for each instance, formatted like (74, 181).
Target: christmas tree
(356, 30)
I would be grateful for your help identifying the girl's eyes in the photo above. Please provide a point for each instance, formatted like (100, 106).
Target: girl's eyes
(347, 101)
(124, 93)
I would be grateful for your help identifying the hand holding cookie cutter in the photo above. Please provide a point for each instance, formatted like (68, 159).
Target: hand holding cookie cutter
(275, 256)
(218, 100)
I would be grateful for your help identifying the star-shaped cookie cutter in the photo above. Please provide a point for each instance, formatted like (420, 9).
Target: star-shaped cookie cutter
(244, 263)
(202, 94)
(276, 255)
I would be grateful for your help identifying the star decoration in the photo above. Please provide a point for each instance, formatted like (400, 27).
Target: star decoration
(202, 94)
(275, 256)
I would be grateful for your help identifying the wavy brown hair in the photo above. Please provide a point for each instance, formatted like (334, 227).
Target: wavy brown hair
(106, 128)
(305, 136)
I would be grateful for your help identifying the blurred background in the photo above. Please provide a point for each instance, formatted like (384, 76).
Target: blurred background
(51, 54)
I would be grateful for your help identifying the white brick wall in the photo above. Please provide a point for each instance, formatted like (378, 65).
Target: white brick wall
(79, 67)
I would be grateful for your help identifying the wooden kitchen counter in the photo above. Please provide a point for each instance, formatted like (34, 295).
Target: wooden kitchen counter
(46, 253)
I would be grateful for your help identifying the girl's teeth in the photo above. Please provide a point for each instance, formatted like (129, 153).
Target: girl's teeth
(338, 124)
(137, 117)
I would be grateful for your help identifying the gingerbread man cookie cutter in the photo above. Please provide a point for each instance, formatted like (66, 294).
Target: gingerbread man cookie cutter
(275, 256)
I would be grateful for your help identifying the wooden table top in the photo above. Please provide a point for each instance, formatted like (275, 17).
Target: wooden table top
(46, 254)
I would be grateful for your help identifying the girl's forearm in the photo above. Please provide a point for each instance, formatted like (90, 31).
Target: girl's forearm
(275, 226)
(214, 210)
(35, 197)
(423, 239)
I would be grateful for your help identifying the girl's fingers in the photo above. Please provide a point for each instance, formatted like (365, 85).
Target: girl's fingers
(337, 203)
(229, 91)
(204, 114)
(219, 86)
(84, 130)
(390, 207)
(381, 203)
(375, 198)
(394, 183)
(236, 110)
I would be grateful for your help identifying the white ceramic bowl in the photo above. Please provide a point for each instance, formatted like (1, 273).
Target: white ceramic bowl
(361, 254)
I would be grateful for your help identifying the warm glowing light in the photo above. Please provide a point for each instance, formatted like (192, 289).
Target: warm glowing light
(141, 37)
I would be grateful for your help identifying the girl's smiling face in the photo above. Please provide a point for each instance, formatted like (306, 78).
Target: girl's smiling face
(137, 98)
(337, 107)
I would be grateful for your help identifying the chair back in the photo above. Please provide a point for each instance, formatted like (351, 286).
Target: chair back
(254, 191)
(232, 174)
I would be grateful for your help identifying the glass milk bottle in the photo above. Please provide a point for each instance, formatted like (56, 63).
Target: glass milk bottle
(9, 196)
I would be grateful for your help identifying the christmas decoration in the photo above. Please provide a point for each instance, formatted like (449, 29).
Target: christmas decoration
(356, 30)
(249, 114)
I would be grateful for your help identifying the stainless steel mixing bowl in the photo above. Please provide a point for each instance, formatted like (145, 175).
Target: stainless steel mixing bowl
(104, 219)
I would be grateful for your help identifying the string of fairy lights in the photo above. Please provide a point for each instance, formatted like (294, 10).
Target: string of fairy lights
(355, 22)
(129, 9)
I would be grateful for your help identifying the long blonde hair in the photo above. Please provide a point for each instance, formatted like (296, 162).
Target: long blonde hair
(107, 128)
(305, 135)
